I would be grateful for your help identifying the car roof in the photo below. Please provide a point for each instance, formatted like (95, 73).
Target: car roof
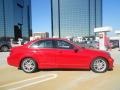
(54, 39)
(50, 39)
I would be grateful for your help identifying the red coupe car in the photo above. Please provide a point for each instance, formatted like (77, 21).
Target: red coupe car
(58, 54)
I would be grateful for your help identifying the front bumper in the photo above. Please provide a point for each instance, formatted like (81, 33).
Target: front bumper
(111, 63)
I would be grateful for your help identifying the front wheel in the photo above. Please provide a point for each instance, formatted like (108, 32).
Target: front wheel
(28, 65)
(99, 65)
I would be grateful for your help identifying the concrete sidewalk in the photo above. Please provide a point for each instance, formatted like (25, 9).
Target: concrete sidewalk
(115, 55)
(3, 58)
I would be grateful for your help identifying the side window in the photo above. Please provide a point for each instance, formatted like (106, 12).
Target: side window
(63, 45)
(43, 44)
(48, 44)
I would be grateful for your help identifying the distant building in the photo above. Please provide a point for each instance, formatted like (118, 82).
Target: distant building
(75, 18)
(40, 35)
(15, 19)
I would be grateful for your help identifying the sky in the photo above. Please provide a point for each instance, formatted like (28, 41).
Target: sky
(41, 15)
(111, 14)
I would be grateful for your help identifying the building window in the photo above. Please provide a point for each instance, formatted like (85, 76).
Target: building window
(20, 3)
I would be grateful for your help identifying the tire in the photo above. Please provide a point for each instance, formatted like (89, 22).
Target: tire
(99, 65)
(4, 48)
(91, 47)
(29, 65)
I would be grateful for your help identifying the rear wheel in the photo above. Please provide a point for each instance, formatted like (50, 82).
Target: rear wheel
(99, 65)
(4, 48)
(28, 65)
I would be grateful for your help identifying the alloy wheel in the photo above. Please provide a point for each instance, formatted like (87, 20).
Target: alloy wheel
(99, 65)
(29, 65)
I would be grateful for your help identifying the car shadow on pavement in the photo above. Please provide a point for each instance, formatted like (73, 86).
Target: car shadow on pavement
(63, 69)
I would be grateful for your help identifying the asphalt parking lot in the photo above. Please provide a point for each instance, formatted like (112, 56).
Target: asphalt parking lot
(13, 79)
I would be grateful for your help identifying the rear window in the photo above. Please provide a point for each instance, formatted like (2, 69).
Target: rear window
(43, 44)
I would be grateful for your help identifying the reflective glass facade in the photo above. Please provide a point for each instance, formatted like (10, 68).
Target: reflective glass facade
(75, 18)
(15, 19)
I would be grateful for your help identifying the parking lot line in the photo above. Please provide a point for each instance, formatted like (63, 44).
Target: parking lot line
(79, 79)
(47, 77)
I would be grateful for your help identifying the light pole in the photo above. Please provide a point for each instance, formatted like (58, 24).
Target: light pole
(4, 20)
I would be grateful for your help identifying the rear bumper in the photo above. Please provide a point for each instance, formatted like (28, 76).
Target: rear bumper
(12, 62)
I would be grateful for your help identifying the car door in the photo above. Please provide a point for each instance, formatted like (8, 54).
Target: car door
(45, 53)
(67, 56)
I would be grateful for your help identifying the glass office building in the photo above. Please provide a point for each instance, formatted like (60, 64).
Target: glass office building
(75, 18)
(15, 19)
